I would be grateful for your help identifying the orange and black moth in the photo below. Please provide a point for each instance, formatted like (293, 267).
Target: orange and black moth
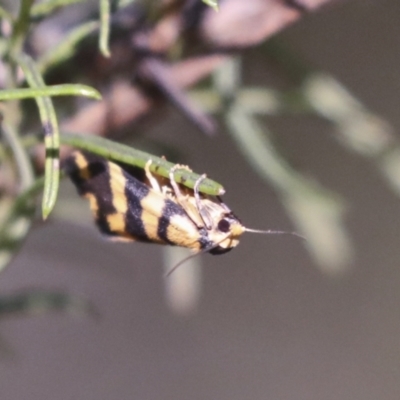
(132, 204)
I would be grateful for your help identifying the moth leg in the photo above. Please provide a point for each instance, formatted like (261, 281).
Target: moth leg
(204, 214)
(227, 209)
(183, 201)
(153, 181)
(179, 196)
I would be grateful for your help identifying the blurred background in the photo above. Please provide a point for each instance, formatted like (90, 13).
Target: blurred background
(276, 318)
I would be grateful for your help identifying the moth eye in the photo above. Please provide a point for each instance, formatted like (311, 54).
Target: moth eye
(224, 225)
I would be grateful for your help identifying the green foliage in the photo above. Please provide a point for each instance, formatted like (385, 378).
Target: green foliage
(317, 213)
(212, 3)
(18, 206)
(15, 59)
(18, 203)
(128, 155)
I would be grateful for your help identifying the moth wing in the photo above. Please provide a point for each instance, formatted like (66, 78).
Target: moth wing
(103, 183)
(125, 208)
(161, 218)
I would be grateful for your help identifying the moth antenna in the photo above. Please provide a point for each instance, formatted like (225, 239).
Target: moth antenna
(272, 232)
(175, 267)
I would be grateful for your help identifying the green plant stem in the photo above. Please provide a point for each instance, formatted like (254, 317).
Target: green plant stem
(104, 27)
(20, 27)
(128, 155)
(46, 7)
(4, 14)
(55, 90)
(21, 157)
(51, 135)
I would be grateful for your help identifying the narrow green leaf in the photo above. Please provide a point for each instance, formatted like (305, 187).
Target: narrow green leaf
(124, 3)
(18, 219)
(4, 14)
(104, 27)
(20, 26)
(212, 3)
(21, 156)
(128, 155)
(16, 216)
(46, 7)
(51, 135)
(55, 90)
(317, 212)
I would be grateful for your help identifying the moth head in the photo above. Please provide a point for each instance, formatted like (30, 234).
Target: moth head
(226, 233)
(224, 229)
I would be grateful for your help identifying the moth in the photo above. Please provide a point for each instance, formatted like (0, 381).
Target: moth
(132, 204)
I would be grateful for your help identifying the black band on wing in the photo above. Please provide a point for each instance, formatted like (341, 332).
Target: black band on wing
(135, 191)
(170, 209)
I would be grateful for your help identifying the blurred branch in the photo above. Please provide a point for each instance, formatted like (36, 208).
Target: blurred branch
(35, 302)
(358, 129)
(240, 24)
(16, 216)
(51, 134)
(247, 23)
(66, 48)
(55, 90)
(182, 287)
(21, 157)
(46, 7)
(104, 27)
(112, 113)
(16, 221)
(4, 14)
(212, 3)
(317, 212)
(20, 27)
